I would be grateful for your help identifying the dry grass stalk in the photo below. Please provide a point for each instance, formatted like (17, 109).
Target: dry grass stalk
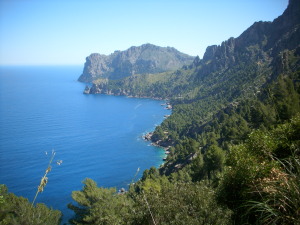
(148, 206)
(44, 179)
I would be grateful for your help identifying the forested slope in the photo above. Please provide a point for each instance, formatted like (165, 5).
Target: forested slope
(233, 136)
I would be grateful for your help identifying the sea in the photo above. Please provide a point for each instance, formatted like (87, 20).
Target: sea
(43, 110)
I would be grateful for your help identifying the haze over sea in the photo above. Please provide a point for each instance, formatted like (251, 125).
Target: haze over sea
(42, 108)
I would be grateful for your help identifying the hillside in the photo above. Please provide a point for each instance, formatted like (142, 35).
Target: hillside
(245, 64)
(238, 69)
(232, 137)
(143, 59)
(232, 140)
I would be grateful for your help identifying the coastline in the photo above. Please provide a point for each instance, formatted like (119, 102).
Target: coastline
(96, 89)
(148, 136)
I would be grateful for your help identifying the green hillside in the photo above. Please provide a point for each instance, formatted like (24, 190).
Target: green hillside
(233, 135)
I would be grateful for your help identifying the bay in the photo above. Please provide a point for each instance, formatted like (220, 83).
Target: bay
(42, 108)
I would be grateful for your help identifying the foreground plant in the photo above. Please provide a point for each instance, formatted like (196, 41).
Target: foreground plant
(261, 183)
(18, 210)
(44, 179)
(280, 195)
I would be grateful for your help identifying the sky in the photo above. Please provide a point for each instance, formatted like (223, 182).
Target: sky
(65, 32)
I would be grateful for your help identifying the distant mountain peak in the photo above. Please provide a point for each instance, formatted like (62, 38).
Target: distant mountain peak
(260, 41)
(147, 58)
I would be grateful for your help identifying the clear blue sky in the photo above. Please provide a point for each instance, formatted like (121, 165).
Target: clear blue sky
(66, 31)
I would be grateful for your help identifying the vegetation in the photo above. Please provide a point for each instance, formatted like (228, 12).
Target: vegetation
(155, 200)
(234, 158)
(261, 178)
(258, 184)
(233, 137)
(44, 179)
(18, 210)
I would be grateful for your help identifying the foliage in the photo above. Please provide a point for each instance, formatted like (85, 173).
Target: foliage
(214, 160)
(233, 137)
(100, 205)
(155, 199)
(261, 180)
(229, 130)
(280, 193)
(18, 210)
(177, 203)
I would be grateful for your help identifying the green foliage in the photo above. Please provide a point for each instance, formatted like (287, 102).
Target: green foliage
(18, 210)
(260, 184)
(198, 168)
(182, 176)
(280, 198)
(214, 160)
(178, 203)
(228, 130)
(100, 205)
(158, 135)
(168, 202)
(230, 138)
(152, 173)
(261, 180)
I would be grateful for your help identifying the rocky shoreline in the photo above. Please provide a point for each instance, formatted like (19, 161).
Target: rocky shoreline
(96, 89)
(158, 143)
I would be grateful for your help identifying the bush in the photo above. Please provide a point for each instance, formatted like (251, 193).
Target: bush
(18, 210)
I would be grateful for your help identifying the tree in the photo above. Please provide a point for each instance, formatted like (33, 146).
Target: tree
(214, 160)
(100, 205)
(180, 203)
(261, 180)
(198, 168)
(18, 210)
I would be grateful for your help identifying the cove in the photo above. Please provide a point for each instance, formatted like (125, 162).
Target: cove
(42, 108)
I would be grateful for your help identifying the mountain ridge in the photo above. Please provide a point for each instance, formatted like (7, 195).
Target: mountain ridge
(238, 69)
(147, 58)
(260, 48)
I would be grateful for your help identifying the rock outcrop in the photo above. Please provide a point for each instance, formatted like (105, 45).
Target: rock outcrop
(147, 58)
(250, 61)
(259, 43)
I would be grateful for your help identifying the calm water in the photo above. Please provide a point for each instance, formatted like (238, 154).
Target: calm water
(96, 136)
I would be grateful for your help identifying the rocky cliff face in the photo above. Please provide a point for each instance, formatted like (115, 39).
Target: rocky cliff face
(242, 64)
(261, 42)
(147, 58)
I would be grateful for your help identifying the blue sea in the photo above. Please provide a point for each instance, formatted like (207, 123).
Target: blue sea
(43, 109)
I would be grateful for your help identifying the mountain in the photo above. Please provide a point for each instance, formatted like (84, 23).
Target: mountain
(234, 126)
(257, 72)
(232, 140)
(238, 67)
(246, 83)
(262, 42)
(147, 58)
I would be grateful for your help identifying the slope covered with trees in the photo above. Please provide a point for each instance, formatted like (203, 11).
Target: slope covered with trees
(257, 184)
(233, 135)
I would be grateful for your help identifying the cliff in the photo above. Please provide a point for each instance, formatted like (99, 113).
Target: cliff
(250, 61)
(261, 42)
(147, 58)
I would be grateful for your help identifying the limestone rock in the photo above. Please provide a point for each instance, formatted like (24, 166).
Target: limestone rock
(147, 58)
